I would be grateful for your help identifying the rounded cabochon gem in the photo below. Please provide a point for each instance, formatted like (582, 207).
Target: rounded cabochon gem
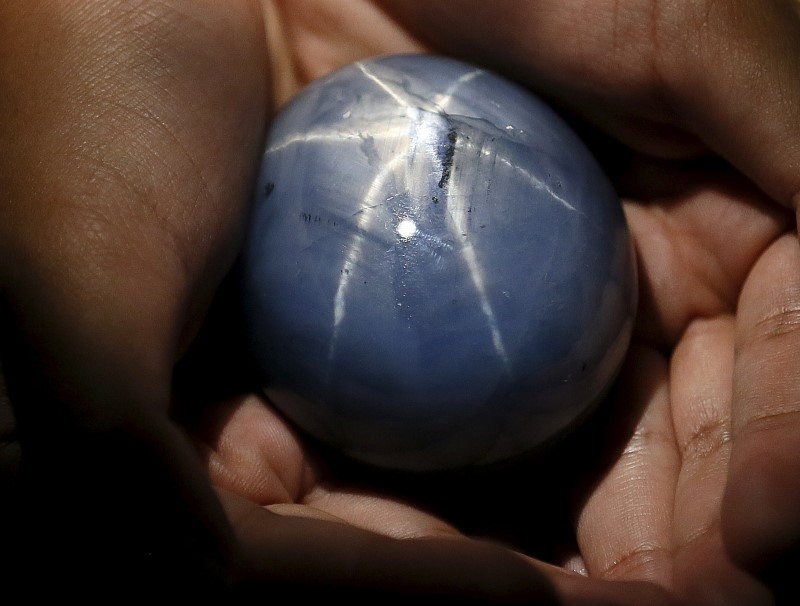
(437, 274)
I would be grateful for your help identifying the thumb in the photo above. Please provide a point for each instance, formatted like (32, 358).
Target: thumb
(125, 173)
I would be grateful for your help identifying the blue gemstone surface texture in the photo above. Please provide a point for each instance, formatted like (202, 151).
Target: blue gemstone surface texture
(437, 274)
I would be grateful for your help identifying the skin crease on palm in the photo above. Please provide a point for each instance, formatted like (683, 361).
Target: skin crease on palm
(703, 491)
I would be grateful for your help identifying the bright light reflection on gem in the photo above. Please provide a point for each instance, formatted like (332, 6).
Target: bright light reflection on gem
(406, 229)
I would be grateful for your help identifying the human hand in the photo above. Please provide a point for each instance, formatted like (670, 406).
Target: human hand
(129, 137)
(676, 82)
(133, 136)
(74, 348)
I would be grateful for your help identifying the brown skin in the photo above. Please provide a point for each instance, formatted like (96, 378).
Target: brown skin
(124, 171)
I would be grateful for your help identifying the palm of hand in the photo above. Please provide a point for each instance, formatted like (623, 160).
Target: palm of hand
(653, 512)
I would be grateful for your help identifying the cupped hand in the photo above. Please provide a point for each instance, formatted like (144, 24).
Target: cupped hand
(135, 134)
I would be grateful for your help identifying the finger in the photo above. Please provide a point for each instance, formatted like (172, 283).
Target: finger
(303, 557)
(624, 529)
(316, 558)
(252, 452)
(760, 521)
(701, 376)
(701, 390)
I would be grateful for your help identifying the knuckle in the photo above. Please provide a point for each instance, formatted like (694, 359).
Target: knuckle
(778, 323)
(706, 440)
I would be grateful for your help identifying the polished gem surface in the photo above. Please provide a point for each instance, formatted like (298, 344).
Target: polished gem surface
(437, 273)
